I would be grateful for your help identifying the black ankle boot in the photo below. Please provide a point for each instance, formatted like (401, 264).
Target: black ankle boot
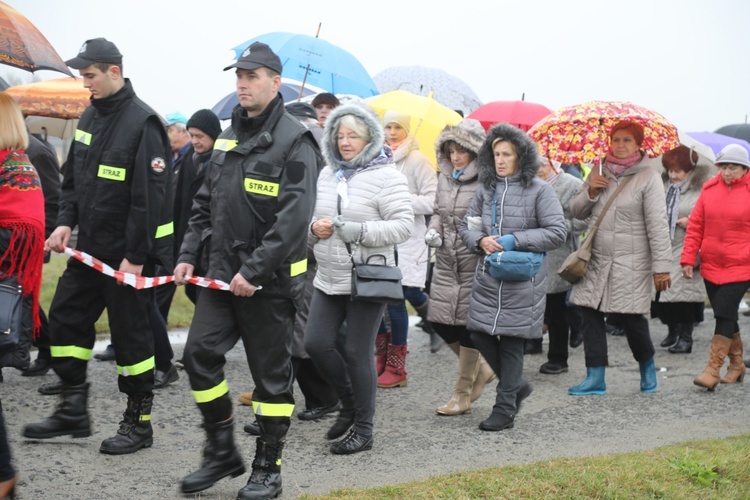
(672, 336)
(342, 424)
(40, 366)
(497, 422)
(220, 458)
(265, 480)
(70, 418)
(135, 430)
(684, 344)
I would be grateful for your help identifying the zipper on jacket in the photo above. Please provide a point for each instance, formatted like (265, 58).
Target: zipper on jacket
(499, 306)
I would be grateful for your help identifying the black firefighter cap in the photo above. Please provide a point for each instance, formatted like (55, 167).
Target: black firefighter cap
(257, 55)
(96, 50)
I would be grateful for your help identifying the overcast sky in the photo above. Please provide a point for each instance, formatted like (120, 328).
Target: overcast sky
(686, 59)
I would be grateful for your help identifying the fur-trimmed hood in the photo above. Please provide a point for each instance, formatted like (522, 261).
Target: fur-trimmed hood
(529, 159)
(365, 114)
(469, 134)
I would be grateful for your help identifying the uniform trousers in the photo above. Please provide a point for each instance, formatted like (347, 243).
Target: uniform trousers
(81, 296)
(265, 326)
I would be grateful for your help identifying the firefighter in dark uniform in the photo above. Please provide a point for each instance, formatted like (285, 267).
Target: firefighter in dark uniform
(117, 189)
(250, 223)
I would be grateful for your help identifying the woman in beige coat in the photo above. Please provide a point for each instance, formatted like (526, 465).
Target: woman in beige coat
(631, 253)
(456, 148)
(682, 305)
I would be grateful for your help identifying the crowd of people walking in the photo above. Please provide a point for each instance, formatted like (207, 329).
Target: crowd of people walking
(284, 204)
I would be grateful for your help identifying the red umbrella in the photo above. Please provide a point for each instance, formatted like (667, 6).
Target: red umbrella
(521, 114)
(23, 46)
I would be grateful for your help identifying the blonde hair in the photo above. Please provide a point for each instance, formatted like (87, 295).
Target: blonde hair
(13, 134)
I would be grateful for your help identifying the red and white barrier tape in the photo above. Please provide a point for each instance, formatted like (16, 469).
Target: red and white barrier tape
(141, 282)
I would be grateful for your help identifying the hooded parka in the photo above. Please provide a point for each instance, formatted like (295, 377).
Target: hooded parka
(528, 208)
(378, 198)
(453, 273)
(631, 245)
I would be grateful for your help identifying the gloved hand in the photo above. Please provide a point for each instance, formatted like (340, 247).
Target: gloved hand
(474, 223)
(433, 239)
(348, 231)
(508, 242)
(662, 281)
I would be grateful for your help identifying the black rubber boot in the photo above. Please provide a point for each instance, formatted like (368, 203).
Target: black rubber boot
(135, 430)
(265, 480)
(70, 418)
(684, 344)
(220, 458)
(672, 336)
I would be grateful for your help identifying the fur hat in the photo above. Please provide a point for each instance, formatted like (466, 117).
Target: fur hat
(395, 117)
(526, 149)
(207, 121)
(469, 134)
(325, 98)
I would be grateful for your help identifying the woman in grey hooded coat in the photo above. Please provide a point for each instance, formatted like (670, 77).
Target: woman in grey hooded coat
(502, 314)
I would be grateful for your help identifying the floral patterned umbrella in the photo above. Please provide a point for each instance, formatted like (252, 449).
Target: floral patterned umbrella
(65, 98)
(580, 133)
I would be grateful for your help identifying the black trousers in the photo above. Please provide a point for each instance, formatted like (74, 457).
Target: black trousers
(505, 355)
(6, 467)
(265, 326)
(454, 333)
(81, 296)
(556, 317)
(317, 391)
(725, 300)
(163, 353)
(595, 336)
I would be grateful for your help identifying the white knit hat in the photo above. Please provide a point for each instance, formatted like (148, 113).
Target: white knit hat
(396, 117)
(733, 153)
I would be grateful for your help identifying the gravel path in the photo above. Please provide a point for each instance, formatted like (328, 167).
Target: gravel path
(411, 441)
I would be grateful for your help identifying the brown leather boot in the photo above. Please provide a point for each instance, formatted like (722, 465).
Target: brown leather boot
(468, 366)
(716, 355)
(736, 371)
(484, 376)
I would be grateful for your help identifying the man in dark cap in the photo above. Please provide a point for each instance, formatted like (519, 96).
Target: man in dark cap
(250, 218)
(117, 189)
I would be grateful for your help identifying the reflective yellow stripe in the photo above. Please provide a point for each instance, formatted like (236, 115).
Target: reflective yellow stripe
(136, 369)
(298, 268)
(211, 394)
(70, 351)
(144, 418)
(111, 173)
(225, 144)
(273, 409)
(262, 187)
(165, 230)
(83, 137)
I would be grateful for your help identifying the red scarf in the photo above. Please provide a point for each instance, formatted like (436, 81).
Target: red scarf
(22, 212)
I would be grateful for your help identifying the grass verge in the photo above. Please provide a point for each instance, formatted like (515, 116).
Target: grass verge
(706, 469)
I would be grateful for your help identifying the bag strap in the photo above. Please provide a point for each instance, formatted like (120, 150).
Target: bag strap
(590, 237)
(349, 248)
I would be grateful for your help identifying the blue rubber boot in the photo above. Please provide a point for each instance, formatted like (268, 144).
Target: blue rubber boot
(594, 383)
(648, 376)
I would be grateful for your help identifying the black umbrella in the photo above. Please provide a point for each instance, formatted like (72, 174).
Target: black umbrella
(738, 131)
(289, 91)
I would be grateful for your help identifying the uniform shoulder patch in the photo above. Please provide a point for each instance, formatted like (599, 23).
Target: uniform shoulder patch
(158, 164)
(295, 171)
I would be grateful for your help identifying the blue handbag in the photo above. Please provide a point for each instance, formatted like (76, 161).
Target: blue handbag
(511, 265)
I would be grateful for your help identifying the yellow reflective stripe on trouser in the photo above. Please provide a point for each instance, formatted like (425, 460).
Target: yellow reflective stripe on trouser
(298, 268)
(70, 351)
(144, 418)
(83, 137)
(273, 409)
(165, 230)
(211, 394)
(136, 369)
(225, 144)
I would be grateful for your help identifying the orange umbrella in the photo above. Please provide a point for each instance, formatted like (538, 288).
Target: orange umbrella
(23, 46)
(59, 98)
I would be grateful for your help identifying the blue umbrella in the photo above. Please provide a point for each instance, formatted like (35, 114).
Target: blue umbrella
(289, 91)
(317, 62)
(717, 141)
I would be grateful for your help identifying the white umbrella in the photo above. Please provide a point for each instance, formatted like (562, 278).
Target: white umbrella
(703, 151)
